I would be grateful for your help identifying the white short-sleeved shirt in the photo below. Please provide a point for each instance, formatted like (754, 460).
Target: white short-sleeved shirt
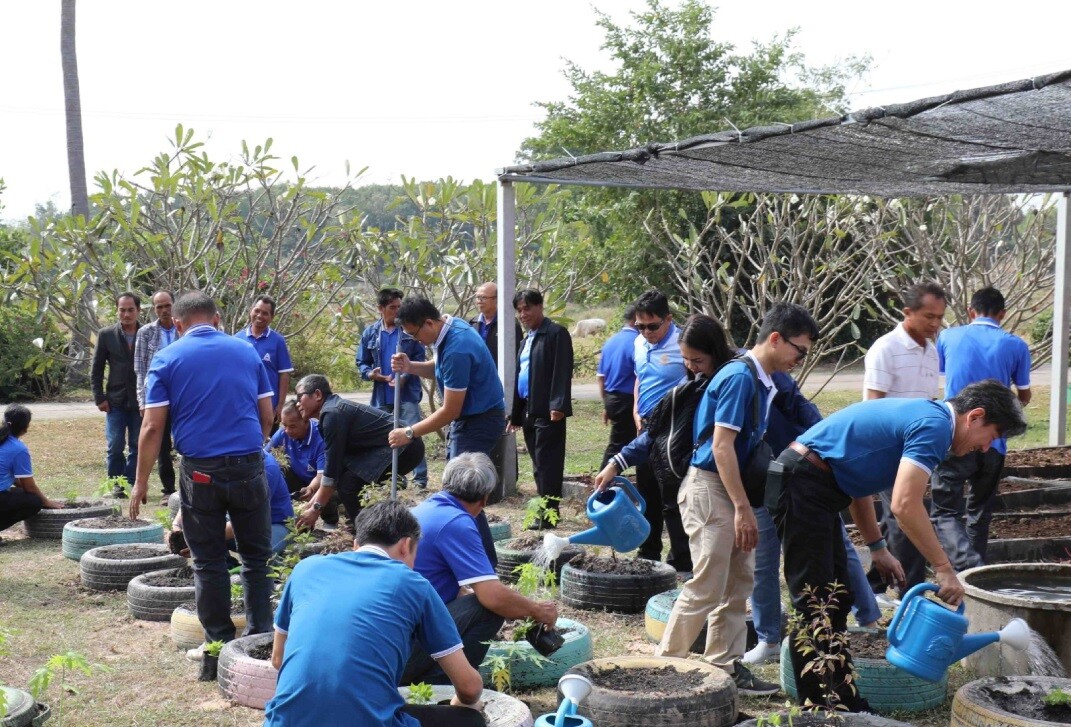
(900, 368)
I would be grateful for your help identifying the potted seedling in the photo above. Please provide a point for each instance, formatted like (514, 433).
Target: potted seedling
(421, 693)
(62, 666)
(210, 661)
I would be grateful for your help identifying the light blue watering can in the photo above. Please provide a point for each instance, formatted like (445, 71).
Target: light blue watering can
(575, 688)
(618, 520)
(925, 638)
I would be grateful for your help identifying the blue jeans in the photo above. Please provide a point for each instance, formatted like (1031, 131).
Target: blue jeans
(766, 595)
(409, 414)
(238, 490)
(121, 429)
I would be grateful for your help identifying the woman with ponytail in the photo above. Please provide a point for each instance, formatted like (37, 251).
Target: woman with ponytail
(20, 497)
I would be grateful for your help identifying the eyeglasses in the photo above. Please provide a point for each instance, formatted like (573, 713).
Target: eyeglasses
(481, 298)
(652, 327)
(300, 394)
(800, 350)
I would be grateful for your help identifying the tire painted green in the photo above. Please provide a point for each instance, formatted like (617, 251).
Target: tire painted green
(500, 530)
(77, 540)
(526, 675)
(887, 688)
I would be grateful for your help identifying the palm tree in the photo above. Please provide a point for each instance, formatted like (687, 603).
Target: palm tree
(76, 161)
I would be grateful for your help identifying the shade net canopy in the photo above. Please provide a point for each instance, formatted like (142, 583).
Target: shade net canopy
(1005, 139)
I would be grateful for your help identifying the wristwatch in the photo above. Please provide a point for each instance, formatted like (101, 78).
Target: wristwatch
(409, 432)
(317, 506)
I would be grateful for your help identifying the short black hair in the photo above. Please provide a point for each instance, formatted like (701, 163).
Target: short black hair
(705, 334)
(988, 301)
(384, 524)
(195, 302)
(168, 293)
(416, 309)
(629, 314)
(1001, 405)
(653, 303)
(15, 422)
(315, 382)
(266, 299)
(128, 294)
(386, 295)
(529, 296)
(913, 295)
(788, 319)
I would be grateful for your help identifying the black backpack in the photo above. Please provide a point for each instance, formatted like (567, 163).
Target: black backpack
(670, 427)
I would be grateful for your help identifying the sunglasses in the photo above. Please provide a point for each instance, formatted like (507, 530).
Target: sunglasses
(652, 327)
(800, 350)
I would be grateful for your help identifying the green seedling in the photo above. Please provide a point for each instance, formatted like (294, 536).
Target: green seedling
(1057, 698)
(420, 693)
(541, 510)
(283, 565)
(62, 665)
(212, 648)
(501, 665)
(112, 484)
(826, 647)
(280, 455)
(163, 517)
(71, 497)
(237, 592)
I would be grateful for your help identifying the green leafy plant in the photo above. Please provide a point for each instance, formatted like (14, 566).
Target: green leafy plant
(776, 719)
(237, 592)
(283, 565)
(501, 665)
(71, 497)
(540, 510)
(62, 665)
(212, 648)
(113, 484)
(532, 581)
(826, 647)
(280, 455)
(163, 517)
(1057, 698)
(420, 693)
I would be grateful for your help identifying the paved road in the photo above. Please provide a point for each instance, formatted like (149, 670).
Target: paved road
(844, 381)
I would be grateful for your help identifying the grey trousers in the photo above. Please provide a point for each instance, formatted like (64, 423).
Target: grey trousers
(964, 489)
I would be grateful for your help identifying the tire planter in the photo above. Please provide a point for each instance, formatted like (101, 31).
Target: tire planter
(243, 679)
(155, 603)
(846, 719)
(656, 616)
(575, 490)
(501, 530)
(710, 704)
(103, 573)
(48, 524)
(186, 629)
(510, 558)
(525, 675)
(77, 540)
(886, 687)
(1044, 494)
(173, 504)
(1027, 550)
(500, 710)
(617, 593)
(975, 705)
(1040, 471)
(23, 710)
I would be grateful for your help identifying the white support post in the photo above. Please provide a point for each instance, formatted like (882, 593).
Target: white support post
(1061, 301)
(507, 334)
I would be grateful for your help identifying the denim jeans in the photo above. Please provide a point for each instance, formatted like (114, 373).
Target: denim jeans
(121, 428)
(238, 490)
(409, 414)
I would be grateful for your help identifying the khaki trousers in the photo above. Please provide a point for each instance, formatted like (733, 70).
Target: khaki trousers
(722, 576)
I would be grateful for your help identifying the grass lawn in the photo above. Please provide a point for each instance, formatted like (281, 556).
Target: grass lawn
(149, 682)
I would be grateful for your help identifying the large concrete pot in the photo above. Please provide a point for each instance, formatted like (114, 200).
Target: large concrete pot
(989, 611)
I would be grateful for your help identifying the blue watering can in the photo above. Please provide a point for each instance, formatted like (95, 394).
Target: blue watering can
(925, 638)
(618, 522)
(575, 688)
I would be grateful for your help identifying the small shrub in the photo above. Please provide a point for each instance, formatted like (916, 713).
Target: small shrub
(212, 648)
(827, 648)
(540, 510)
(163, 517)
(62, 665)
(112, 484)
(419, 693)
(501, 665)
(1057, 698)
(30, 355)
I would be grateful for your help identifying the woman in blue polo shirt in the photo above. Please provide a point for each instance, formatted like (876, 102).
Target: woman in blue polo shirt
(20, 496)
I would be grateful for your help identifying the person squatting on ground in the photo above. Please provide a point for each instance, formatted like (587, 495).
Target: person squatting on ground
(306, 457)
(20, 497)
(152, 337)
(843, 461)
(345, 626)
(117, 397)
(219, 398)
(452, 557)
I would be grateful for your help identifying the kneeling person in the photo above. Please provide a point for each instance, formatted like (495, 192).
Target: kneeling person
(453, 558)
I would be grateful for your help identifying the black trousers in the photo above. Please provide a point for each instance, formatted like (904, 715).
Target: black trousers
(960, 513)
(477, 626)
(680, 555)
(545, 441)
(647, 484)
(442, 715)
(16, 504)
(164, 463)
(622, 424)
(807, 515)
(901, 546)
(350, 485)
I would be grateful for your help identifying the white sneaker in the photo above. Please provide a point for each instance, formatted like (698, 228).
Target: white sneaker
(763, 653)
(196, 653)
(886, 602)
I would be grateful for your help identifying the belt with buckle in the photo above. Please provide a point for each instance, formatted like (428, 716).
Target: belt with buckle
(810, 456)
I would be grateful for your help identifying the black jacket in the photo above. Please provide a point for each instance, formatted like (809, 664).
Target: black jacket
(121, 389)
(550, 375)
(492, 334)
(355, 438)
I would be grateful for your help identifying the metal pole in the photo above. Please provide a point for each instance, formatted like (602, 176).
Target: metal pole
(507, 335)
(1061, 300)
(399, 380)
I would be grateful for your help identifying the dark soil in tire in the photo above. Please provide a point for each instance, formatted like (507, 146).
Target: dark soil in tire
(128, 552)
(510, 556)
(663, 680)
(1009, 701)
(1030, 526)
(868, 645)
(615, 592)
(623, 566)
(177, 578)
(157, 603)
(1041, 462)
(112, 567)
(108, 522)
(260, 651)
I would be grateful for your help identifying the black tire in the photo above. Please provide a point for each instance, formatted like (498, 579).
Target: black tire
(614, 592)
(847, 719)
(500, 710)
(22, 710)
(710, 704)
(155, 603)
(48, 524)
(243, 679)
(510, 558)
(77, 540)
(100, 573)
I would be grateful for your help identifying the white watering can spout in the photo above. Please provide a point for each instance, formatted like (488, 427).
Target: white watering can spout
(1016, 635)
(554, 545)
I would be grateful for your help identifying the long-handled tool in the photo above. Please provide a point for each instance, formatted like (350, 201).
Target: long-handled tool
(396, 451)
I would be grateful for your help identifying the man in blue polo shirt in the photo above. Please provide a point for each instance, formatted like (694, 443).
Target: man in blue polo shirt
(343, 632)
(842, 462)
(300, 439)
(659, 367)
(379, 343)
(453, 558)
(616, 375)
(980, 350)
(219, 398)
(271, 348)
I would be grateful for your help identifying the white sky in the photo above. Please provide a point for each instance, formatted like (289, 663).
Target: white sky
(419, 87)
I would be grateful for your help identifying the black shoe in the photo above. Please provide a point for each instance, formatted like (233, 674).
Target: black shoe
(119, 494)
(748, 683)
(541, 524)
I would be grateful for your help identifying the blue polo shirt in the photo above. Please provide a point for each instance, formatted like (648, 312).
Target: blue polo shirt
(282, 508)
(658, 368)
(307, 456)
(729, 402)
(451, 552)
(14, 462)
(350, 620)
(525, 372)
(979, 351)
(617, 364)
(212, 383)
(463, 363)
(865, 443)
(273, 353)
